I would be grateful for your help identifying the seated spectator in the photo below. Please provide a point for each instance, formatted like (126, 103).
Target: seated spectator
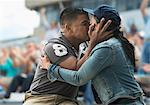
(22, 81)
(7, 65)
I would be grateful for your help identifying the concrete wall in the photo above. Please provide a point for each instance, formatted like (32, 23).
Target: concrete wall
(33, 4)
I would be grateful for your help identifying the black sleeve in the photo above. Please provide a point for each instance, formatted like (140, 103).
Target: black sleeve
(57, 52)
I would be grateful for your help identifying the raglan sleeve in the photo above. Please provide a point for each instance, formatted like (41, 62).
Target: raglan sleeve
(56, 52)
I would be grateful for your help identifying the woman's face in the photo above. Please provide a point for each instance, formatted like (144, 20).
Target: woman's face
(93, 20)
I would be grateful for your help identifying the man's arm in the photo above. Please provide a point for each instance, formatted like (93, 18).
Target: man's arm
(59, 54)
(70, 63)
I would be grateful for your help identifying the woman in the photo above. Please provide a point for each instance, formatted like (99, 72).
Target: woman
(110, 65)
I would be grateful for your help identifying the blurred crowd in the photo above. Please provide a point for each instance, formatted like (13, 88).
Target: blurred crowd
(17, 67)
(18, 64)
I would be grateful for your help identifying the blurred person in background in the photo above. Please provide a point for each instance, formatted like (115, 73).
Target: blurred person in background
(27, 62)
(146, 47)
(133, 29)
(51, 29)
(137, 41)
(8, 64)
(110, 66)
(143, 76)
(138, 44)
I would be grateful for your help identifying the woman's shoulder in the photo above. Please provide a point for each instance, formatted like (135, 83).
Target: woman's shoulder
(108, 43)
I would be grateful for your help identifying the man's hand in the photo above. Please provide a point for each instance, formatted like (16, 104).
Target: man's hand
(44, 62)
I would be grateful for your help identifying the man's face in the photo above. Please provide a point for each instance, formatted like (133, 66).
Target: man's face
(80, 27)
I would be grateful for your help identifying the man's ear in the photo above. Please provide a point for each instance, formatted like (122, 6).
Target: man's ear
(64, 28)
(68, 27)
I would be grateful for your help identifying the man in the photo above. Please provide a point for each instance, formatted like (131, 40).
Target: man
(64, 52)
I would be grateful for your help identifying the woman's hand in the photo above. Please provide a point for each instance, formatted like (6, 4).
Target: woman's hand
(98, 33)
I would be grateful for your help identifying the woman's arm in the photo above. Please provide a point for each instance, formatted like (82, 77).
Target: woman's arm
(98, 61)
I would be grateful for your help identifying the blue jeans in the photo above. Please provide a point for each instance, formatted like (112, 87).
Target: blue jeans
(146, 53)
(88, 94)
(17, 81)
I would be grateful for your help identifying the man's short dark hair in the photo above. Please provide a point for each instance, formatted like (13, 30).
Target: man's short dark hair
(70, 14)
